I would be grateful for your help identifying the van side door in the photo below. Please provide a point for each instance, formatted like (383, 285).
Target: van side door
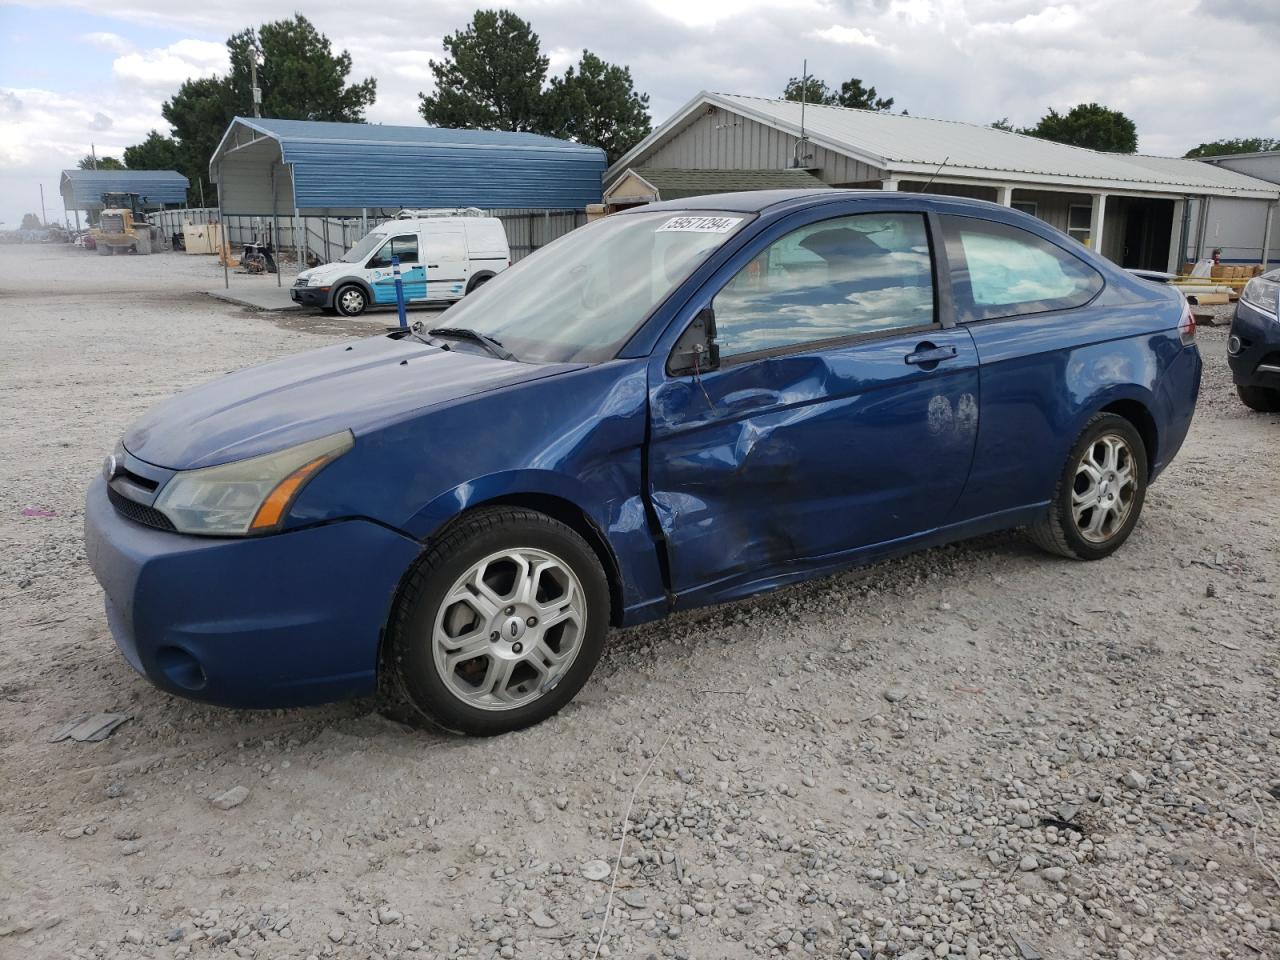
(444, 248)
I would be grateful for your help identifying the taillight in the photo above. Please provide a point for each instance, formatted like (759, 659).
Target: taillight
(1187, 325)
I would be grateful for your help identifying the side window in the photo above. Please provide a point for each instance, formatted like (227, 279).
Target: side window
(1003, 271)
(839, 278)
(405, 247)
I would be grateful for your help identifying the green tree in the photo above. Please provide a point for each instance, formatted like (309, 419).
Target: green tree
(87, 162)
(853, 94)
(1005, 125)
(809, 89)
(199, 114)
(154, 153)
(1219, 148)
(30, 222)
(597, 103)
(491, 77)
(300, 76)
(1088, 125)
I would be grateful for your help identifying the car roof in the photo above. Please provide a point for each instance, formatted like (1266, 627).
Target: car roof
(758, 201)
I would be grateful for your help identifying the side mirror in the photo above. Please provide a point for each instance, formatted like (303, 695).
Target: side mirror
(696, 350)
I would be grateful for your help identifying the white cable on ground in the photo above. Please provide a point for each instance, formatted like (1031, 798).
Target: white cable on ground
(626, 825)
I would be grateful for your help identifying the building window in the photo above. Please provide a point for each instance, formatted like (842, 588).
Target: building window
(1027, 206)
(1079, 222)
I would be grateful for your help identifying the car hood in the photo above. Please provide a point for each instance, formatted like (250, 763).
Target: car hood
(358, 386)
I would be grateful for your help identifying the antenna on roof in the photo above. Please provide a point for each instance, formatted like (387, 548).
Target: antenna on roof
(925, 189)
(797, 156)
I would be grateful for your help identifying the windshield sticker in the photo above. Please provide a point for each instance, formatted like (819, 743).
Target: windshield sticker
(699, 225)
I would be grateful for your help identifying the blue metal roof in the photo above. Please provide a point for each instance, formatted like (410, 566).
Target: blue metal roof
(370, 165)
(82, 189)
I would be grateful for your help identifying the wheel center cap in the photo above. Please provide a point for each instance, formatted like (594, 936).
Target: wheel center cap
(513, 628)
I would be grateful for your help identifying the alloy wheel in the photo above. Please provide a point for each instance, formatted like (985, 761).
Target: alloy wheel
(509, 629)
(1104, 488)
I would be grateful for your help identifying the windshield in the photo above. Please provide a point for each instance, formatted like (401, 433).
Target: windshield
(580, 298)
(363, 248)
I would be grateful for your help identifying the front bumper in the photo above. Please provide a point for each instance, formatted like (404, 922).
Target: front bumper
(283, 620)
(1253, 348)
(312, 296)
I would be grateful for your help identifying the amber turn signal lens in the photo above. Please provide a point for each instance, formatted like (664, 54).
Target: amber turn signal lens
(273, 508)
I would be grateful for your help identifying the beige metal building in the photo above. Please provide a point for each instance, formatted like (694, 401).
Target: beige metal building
(1135, 209)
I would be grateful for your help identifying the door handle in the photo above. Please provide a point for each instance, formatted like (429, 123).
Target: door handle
(928, 353)
(433, 266)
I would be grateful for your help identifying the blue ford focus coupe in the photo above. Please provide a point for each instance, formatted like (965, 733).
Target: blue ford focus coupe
(678, 405)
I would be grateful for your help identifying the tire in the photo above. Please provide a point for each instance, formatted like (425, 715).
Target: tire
(465, 647)
(1098, 531)
(1261, 399)
(351, 300)
(479, 282)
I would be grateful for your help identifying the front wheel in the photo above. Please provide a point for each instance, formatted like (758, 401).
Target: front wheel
(350, 301)
(1100, 493)
(1262, 399)
(500, 624)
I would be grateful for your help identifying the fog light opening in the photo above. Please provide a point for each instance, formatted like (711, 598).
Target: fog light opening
(181, 668)
(1233, 344)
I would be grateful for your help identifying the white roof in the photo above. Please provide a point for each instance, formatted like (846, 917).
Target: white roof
(906, 145)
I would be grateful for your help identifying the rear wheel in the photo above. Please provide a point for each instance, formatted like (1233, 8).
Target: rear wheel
(1262, 399)
(479, 282)
(350, 301)
(1100, 493)
(500, 624)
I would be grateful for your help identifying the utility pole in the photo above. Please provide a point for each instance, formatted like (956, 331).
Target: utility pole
(44, 217)
(253, 80)
(93, 152)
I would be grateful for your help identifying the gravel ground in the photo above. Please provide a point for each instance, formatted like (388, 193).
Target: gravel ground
(978, 751)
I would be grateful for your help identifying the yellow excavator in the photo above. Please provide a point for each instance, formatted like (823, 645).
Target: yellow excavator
(122, 226)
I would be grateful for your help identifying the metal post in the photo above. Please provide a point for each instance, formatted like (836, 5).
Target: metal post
(275, 224)
(324, 223)
(297, 239)
(1266, 236)
(222, 230)
(395, 272)
(44, 217)
(364, 221)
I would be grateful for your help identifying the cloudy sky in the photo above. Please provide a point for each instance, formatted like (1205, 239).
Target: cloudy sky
(97, 71)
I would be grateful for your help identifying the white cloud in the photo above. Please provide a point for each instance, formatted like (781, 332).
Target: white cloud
(848, 36)
(106, 41)
(166, 68)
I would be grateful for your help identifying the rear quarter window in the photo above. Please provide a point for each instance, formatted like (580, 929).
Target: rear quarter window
(1000, 271)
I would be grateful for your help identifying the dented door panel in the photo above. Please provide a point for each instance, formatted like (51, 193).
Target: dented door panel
(791, 460)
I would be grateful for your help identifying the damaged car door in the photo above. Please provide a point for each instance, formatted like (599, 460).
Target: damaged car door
(832, 407)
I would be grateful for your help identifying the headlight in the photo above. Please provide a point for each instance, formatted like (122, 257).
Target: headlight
(314, 281)
(248, 496)
(1262, 294)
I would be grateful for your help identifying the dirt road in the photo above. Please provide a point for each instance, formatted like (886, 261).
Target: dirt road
(980, 751)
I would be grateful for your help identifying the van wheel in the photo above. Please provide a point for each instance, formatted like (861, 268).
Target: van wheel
(1100, 493)
(479, 282)
(1262, 399)
(350, 301)
(500, 624)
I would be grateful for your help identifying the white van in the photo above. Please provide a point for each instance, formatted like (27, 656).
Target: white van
(444, 255)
